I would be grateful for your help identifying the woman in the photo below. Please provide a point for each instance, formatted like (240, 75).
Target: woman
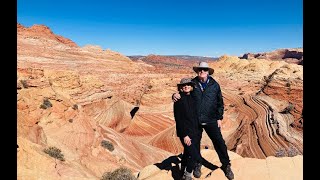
(188, 129)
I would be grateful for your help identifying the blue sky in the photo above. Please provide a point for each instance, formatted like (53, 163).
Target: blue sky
(172, 27)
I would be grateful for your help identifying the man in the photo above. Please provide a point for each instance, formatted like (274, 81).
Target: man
(210, 106)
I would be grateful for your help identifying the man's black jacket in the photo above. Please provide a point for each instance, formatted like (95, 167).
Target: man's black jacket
(209, 102)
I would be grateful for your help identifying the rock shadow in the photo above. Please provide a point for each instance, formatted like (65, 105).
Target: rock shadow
(133, 111)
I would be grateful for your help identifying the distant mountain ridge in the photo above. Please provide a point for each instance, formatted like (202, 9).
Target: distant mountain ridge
(182, 57)
(171, 63)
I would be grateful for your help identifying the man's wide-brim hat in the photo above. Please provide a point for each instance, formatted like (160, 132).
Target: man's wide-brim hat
(186, 81)
(203, 65)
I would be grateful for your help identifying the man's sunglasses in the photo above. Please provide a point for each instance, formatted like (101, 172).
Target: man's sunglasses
(203, 69)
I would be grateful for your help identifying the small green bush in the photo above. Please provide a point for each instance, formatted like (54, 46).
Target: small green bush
(121, 173)
(55, 153)
(108, 145)
(46, 104)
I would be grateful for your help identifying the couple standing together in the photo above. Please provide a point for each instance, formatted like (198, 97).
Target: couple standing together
(199, 105)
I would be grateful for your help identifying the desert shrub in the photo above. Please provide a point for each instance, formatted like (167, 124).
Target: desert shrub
(70, 120)
(75, 107)
(46, 104)
(121, 173)
(137, 102)
(290, 152)
(24, 83)
(288, 109)
(55, 153)
(267, 79)
(108, 145)
(288, 84)
(281, 153)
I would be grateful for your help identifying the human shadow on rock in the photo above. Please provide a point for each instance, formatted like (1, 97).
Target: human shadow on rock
(172, 164)
(210, 166)
(167, 165)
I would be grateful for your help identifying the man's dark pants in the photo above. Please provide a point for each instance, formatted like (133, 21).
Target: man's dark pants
(218, 142)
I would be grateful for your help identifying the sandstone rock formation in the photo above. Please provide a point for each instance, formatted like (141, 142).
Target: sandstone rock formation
(293, 55)
(257, 103)
(73, 98)
(84, 87)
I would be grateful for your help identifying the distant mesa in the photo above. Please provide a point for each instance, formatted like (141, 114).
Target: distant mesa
(293, 55)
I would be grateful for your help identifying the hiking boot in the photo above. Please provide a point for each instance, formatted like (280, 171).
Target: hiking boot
(228, 172)
(186, 177)
(197, 170)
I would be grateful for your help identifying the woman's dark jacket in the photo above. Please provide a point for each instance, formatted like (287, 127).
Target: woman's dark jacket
(185, 114)
(209, 102)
